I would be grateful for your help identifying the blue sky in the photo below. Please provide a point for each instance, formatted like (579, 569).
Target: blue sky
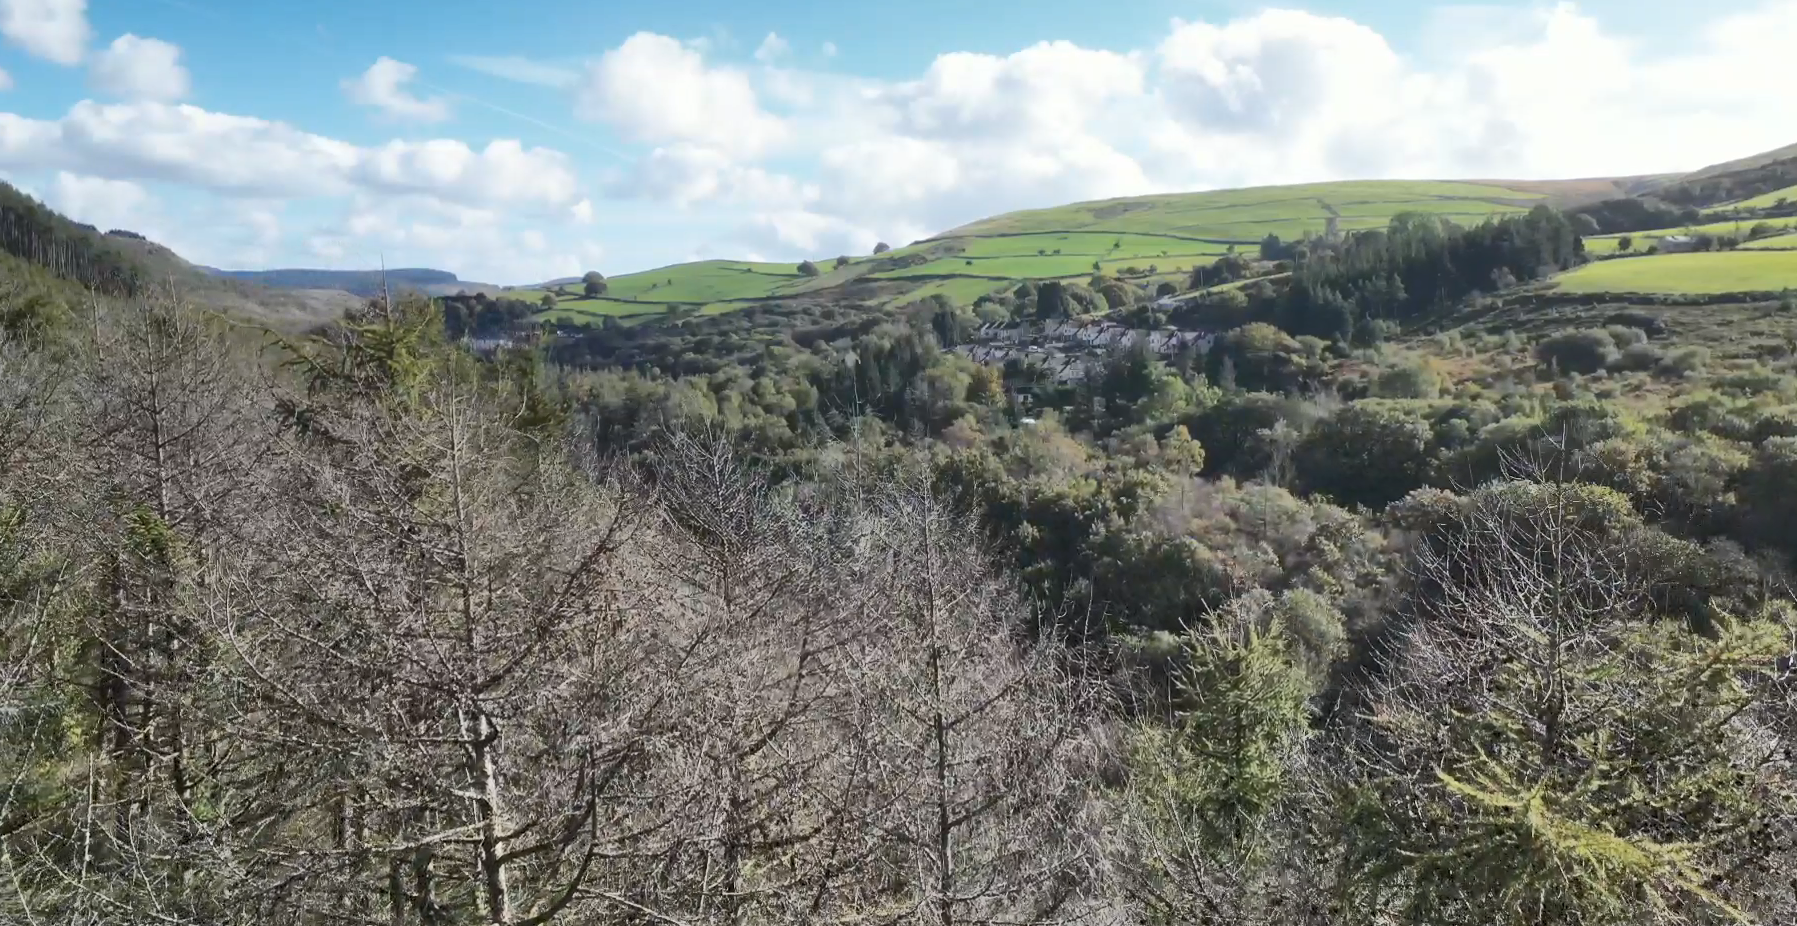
(514, 140)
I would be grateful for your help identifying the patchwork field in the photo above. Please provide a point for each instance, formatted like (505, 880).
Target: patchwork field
(1687, 274)
(1642, 240)
(1765, 201)
(1162, 236)
(1785, 242)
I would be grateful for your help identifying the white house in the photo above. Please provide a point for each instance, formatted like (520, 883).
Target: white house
(1673, 244)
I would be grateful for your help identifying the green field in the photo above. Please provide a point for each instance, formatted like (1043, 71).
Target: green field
(1606, 244)
(1173, 233)
(1785, 242)
(1765, 201)
(1247, 215)
(1687, 274)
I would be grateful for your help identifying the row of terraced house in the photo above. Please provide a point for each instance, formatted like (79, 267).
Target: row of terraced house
(1064, 348)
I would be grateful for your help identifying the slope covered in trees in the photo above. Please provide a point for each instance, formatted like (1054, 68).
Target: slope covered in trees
(356, 628)
(37, 234)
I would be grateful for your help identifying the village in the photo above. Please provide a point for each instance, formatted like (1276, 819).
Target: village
(1064, 348)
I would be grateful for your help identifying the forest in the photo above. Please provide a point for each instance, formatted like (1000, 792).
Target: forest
(794, 616)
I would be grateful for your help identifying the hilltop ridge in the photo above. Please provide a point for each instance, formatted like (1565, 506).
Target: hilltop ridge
(1149, 241)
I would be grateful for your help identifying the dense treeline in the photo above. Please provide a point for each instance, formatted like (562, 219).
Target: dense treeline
(32, 232)
(1634, 214)
(1734, 185)
(482, 316)
(1420, 264)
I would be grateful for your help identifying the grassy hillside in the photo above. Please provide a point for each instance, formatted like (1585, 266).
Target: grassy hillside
(1676, 274)
(1784, 242)
(1149, 238)
(1642, 240)
(280, 307)
(1764, 200)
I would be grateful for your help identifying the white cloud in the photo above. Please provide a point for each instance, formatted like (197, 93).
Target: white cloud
(55, 30)
(829, 49)
(684, 174)
(246, 156)
(766, 157)
(475, 244)
(772, 49)
(99, 202)
(656, 90)
(5, 81)
(810, 234)
(521, 70)
(136, 68)
(503, 173)
(1279, 96)
(1044, 92)
(382, 87)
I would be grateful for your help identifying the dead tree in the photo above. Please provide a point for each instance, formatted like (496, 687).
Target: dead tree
(975, 741)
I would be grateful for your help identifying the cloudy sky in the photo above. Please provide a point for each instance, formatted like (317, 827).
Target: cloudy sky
(511, 141)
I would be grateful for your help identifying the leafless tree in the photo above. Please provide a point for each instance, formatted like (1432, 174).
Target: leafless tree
(976, 740)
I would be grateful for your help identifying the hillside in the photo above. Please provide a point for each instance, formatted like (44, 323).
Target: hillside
(362, 283)
(120, 263)
(1148, 240)
(278, 306)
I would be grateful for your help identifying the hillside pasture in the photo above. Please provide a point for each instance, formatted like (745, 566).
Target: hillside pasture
(1090, 245)
(1763, 201)
(1784, 242)
(1234, 214)
(1606, 244)
(958, 291)
(1173, 233)
(1702, 273)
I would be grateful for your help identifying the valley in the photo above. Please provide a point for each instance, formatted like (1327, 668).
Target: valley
(1385, 553)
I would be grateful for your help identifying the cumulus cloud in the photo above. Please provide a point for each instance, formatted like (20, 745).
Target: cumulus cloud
(807, 233)
(502, 173)
(685, 173)
(772, 49)
(1042, 92)
(382, 87)
(476, 244)
(654, 89)
(1279, 96)
(790, 162)
(98, 201)
(136, 68)
(55, 30)
(247, 156)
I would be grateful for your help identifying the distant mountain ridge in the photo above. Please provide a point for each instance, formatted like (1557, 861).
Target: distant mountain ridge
(364, 283)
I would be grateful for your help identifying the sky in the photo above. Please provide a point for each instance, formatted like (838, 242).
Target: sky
(514, 141)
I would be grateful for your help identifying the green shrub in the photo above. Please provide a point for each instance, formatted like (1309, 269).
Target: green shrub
(1410, 381)
(1685, 361)
(1586, 351)
(1638, 358)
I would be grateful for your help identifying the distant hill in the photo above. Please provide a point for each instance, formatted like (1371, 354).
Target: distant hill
(364, 283)
(1148, 240)
(123, 263)
(1152, 240)
(1749, 163)
(72, 251)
